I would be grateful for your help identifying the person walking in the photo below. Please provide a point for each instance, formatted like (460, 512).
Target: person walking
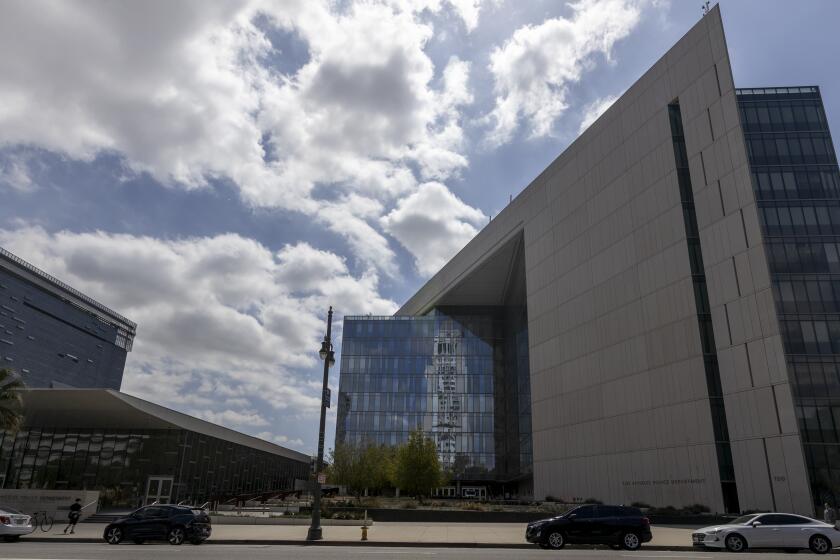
(829, 515)
(73, 516)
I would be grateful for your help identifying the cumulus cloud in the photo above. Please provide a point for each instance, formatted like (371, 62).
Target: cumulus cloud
(594, 110)
(15, 174)
(433, 224)
(183, 92)
(533, 70)
(226, 326)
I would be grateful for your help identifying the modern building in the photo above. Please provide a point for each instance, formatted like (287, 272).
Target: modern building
(133, 452)
(682, 329)
(55, 336)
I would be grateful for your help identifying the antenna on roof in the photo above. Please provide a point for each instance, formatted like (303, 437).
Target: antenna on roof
(705, 8)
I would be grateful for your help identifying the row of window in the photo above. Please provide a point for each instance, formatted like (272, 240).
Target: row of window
(390, 383)
(419, 365)
(482, 326)
(378, 403)
(815, 377)
(819, 424)
(803, 256)
(811, 336)
(801, 218)
(467, 423)
(783, 116)
(785, 182)
(418, 346)
(790, 148)
(807, 295)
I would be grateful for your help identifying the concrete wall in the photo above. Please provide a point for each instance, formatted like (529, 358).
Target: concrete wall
(54, 502)
(620, 402)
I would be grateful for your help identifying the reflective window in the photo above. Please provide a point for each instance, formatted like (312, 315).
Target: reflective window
(458, 374)
(797, 186)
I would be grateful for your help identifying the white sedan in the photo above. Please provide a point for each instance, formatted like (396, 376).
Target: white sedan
(769, 530)
(13, 524)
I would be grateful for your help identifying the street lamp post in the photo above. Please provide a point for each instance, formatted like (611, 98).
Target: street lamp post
(328, 356)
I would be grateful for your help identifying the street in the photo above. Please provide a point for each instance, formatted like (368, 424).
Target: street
(78, 551)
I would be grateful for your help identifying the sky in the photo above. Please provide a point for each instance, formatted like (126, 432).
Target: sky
(223, 172)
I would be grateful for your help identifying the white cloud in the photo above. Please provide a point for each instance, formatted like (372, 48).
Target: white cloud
(14, 173)
(433, 224)
(533, 69)
(279, 439)
(185, 93)
(594, 110)
(228, 329)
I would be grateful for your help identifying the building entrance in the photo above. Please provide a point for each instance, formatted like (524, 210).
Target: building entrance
(159, 490)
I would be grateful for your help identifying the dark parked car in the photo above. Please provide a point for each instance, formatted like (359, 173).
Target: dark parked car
(617, 526)
(175, 524)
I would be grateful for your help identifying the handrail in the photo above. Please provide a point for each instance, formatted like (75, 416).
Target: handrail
(90, 504)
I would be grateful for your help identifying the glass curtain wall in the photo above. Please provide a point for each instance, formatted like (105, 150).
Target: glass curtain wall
(119, 463)
(797, 186)
(458, 374)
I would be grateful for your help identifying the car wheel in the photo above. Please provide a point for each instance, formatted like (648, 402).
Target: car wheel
(176, 535)
(631, 541)
(735, 543)
(113, 535)
(556, 540)
(819, 545)
(11, 538)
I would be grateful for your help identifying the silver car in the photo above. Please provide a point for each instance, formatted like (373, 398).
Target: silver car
(769, 530)
(13, 524)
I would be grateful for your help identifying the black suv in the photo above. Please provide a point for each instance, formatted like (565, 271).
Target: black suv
(617, 526)
(175, 524)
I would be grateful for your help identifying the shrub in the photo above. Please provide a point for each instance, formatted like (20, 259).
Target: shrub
(592, 501)
(409, 505)
(697, 509)
(641, 505)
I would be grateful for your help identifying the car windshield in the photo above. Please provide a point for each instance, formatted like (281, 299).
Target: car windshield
(744, 519)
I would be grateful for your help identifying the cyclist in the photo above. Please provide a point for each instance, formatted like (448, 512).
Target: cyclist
(73, 516)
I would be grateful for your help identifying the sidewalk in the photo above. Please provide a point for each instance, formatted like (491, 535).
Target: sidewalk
(382, 533)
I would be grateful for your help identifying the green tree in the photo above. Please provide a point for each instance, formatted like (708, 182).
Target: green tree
(11, 401)
(416, 468)
(360, 468)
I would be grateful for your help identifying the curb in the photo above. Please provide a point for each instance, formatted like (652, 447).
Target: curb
(384, 544)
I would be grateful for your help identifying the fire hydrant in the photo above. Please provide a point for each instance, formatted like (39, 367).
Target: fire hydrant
(364, 532)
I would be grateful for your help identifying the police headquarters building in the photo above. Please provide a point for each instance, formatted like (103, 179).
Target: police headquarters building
(654, 318)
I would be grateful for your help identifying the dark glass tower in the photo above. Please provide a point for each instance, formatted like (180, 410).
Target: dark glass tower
(797, 188)
(52, 335)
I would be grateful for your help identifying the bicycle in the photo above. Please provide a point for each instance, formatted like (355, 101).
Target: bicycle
(43, 520)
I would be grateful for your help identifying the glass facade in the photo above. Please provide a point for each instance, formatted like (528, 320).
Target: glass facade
(49, 341)
(460, 374)
(797, 187)
(120, 464)
(726, 468)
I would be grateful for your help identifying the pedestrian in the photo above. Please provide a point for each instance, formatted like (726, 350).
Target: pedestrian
(73, 516)
(829, 515)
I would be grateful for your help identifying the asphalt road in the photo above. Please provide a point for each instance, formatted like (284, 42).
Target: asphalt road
(65, 551)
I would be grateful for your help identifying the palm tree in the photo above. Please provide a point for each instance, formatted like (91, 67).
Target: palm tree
(11, 401)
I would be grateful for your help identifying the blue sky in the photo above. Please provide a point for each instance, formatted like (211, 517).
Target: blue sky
(221, 173)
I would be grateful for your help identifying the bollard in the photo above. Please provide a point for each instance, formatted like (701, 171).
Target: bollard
(364, 532)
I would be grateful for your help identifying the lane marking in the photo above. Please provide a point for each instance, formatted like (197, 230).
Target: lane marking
(642, 556)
